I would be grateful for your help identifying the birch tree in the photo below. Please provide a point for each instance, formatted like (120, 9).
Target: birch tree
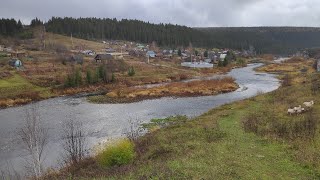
(35, 138)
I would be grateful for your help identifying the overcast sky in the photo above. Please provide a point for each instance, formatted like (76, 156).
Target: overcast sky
(194, 13)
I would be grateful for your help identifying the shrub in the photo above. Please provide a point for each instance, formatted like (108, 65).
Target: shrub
(113, 78)
(131, 71)
(120, 153)
(287, 79)
(89, 77)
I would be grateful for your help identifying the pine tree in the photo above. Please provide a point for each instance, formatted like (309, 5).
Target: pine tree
(179, 52)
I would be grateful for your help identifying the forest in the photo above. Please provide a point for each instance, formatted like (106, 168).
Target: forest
(275, 40)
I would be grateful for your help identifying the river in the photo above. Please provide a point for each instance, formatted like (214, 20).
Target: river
(103, 121)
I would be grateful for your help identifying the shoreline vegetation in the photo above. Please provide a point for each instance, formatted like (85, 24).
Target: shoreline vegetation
(248, 139)
(176, 89)
(17, 90)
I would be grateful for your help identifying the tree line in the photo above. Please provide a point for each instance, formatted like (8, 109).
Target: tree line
(276, 40)
(10, 27)
(131, 30)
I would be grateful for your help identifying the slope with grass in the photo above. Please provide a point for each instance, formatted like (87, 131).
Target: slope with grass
(18, 90)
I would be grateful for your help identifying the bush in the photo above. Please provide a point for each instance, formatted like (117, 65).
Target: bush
(131, 71)
(117, 154)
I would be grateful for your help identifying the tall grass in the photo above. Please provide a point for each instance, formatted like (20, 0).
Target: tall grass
(120, 153)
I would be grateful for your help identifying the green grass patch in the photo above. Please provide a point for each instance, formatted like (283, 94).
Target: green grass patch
(17, 85)
(117, 154)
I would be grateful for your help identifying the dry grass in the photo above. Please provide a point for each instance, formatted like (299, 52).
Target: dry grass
(179, 89)
(293, 65)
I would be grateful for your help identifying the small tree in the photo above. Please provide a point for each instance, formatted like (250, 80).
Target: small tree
(35, 138)
(205, 54)
(196, 52)
(131, 71)
(70, 81)
(179, 53)
(78, 78)
(74, 142)
(89, 77)
(113, 78)
(225, 62)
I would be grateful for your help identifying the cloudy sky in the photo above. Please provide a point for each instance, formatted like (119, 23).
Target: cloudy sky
(194, 13)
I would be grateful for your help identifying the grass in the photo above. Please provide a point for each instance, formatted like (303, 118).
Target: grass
(18, 90)
(211, 145)
(219, 145)
(117, 154)
(177, 89)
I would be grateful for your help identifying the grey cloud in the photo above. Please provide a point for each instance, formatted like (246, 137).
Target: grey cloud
(184, 12)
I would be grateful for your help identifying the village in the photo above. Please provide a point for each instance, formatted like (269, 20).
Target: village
(53, 65)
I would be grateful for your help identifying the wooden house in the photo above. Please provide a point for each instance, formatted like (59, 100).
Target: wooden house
(103, 57)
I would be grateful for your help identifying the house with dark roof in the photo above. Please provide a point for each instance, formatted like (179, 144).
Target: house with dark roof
(103, 57)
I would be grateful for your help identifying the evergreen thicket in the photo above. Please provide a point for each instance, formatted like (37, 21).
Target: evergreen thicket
(10, 27)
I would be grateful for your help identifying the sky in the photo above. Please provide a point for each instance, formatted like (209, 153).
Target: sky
(192, 13)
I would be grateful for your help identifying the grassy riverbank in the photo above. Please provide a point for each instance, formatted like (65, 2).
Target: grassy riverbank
(18, 90)
(249, 139)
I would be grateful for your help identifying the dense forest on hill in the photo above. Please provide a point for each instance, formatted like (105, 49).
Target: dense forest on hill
(131, 30)
(280, 40)
(277, 40)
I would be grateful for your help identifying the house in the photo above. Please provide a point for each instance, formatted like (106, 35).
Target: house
(103, 57)
(15, 63)
(89, 52)
(151, 54)
(167, 53)
(318, 65)
(1, 47)
(222, 57)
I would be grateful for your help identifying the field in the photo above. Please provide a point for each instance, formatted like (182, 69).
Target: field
(249, 139)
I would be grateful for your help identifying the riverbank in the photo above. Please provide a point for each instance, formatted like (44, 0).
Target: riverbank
(249, 139)
(177, 89)
(18, 89)
(103, 121)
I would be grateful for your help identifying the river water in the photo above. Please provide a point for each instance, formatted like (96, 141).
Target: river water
(103, 121)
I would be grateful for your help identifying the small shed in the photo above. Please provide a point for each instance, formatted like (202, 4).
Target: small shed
(15, 63)
(222, 57)
(101, 57)
(110, 50)
(151, 54)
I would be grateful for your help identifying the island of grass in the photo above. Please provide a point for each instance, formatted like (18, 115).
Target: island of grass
(176, 89)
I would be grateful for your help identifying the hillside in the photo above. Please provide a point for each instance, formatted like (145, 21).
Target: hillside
(278, 40)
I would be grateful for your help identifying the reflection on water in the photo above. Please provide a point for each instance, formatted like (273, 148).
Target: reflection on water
(110, 120)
